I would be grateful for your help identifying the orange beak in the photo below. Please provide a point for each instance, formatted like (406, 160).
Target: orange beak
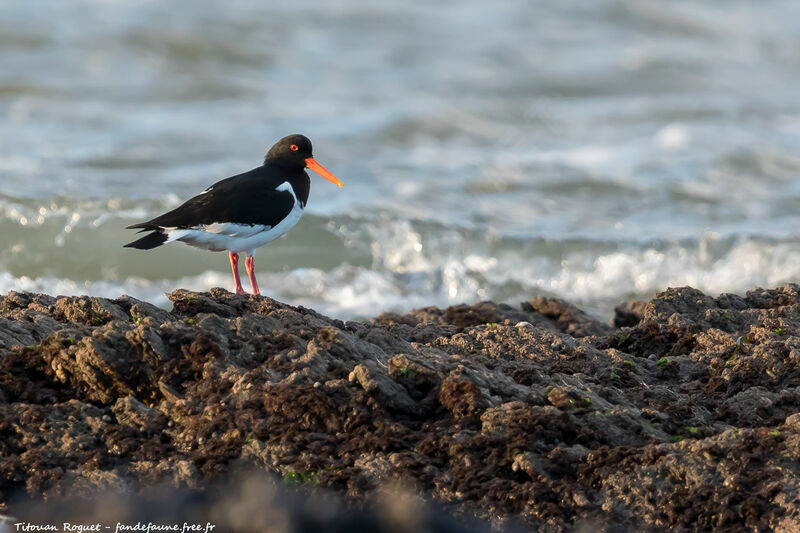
(322, 171)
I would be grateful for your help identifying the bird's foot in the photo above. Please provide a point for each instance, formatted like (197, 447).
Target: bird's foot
(241, 291)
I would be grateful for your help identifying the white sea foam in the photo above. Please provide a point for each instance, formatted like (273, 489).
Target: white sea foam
(598, 281)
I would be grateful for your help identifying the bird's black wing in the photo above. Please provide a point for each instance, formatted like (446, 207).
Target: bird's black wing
(243, 199)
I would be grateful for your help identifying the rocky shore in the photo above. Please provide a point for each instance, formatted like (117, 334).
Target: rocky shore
(683, 415)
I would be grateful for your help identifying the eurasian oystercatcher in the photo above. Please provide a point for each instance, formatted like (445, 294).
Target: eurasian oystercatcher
(243, 212)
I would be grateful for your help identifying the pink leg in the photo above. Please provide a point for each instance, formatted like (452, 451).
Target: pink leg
(250, 265)
(235, 267)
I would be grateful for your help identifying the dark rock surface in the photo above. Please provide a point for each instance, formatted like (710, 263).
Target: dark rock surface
(687, 419)
(254, 503)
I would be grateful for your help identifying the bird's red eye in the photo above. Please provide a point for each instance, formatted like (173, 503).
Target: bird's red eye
(294, 148)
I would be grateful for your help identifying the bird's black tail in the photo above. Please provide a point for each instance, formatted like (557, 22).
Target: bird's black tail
(151, 240)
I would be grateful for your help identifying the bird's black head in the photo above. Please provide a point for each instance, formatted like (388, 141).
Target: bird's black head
(294, 151)
(291, 151)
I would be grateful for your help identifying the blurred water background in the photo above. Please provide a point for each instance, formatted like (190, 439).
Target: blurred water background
(597, 151)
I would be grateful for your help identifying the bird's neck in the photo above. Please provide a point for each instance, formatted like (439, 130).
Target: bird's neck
(301, 184)
(296, 176)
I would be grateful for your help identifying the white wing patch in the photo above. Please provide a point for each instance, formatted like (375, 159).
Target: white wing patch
(230, 229)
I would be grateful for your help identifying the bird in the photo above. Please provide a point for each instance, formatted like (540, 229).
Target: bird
(243, 212)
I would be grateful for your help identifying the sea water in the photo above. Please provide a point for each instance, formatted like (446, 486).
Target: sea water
(596, 151)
